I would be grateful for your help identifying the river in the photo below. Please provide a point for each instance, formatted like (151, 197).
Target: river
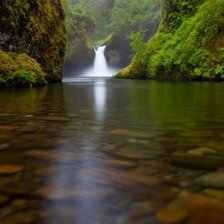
(101, 150)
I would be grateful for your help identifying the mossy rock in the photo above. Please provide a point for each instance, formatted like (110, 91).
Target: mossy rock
(35, 27)
(20, 71)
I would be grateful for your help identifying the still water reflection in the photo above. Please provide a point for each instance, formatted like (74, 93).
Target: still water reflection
(101, 151)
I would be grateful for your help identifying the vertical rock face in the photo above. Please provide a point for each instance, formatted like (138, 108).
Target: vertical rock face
(35, 27)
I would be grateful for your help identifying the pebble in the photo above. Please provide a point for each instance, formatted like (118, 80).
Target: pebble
(197, 161)
(201, 151)
(19, 218)
(175, 212)
(214, 193)
(131, 134)
(215, 180)
(4, 146)
(10, 169)
(19, 202)
(147, 170)
(3, 199)
(131, 155)
(120, 163)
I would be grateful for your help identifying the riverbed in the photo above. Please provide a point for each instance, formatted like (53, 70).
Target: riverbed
(107, 151)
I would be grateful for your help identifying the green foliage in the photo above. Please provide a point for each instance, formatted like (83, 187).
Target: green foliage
(137, 43)
(132, 15)
(189, 44)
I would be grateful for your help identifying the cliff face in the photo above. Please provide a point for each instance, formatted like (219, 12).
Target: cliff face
(36, 28)
(189, 44)
(80, 26)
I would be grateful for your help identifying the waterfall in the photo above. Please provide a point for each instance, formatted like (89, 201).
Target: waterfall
(100, 67)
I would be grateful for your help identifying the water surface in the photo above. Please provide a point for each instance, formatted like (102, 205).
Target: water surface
(98, 151)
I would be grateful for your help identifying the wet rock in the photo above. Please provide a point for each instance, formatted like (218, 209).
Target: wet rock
(214, 193)
(19, 202)
(198, 134)
(109, 148)
(147, 170)
(5, 127)
(3, 199)
(124, 178)
(20, 218)
(140, 209)
(46, 171)
(54, 156)
(204, 209)
(65, 193)
(132, 134)
(215, 180)
(120, 163)
(175, 212)
(167, 195)
(4, 146)
(201, 151)
(56, 119)
(198, 161)
(131, 155)
(219, 145)
(10, 169)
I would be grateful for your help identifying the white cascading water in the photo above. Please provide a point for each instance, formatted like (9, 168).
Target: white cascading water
(100, 68)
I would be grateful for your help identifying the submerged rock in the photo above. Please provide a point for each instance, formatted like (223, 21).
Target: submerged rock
(175, 212)
(215, 180)
(3, 199)
(201, 151)
(214, 193)
(198, 161)
(10, 169)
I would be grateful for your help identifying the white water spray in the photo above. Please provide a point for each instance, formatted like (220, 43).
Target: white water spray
(100, 68)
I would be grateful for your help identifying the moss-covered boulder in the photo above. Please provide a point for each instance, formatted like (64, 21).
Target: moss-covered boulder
(189, 44)
(36, 28)
(20, 70)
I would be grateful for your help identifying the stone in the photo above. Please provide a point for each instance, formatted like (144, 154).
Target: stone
(198, 134)
(166, 195)
(46, 171)
(204, 209)
(19, 218)
(19, 202)
(215, 180)
(3, 199)
(54, 156)
(65, 193)
(131, 155)
(120, 163)
(4, 146)
(109, 147)
(219, 145)
(10, 169)
(132, 134)
(201, 151)
(56, 119)
(146, 170)
(175, 212)
(140, 209)
(214, 193)
(197, 161)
